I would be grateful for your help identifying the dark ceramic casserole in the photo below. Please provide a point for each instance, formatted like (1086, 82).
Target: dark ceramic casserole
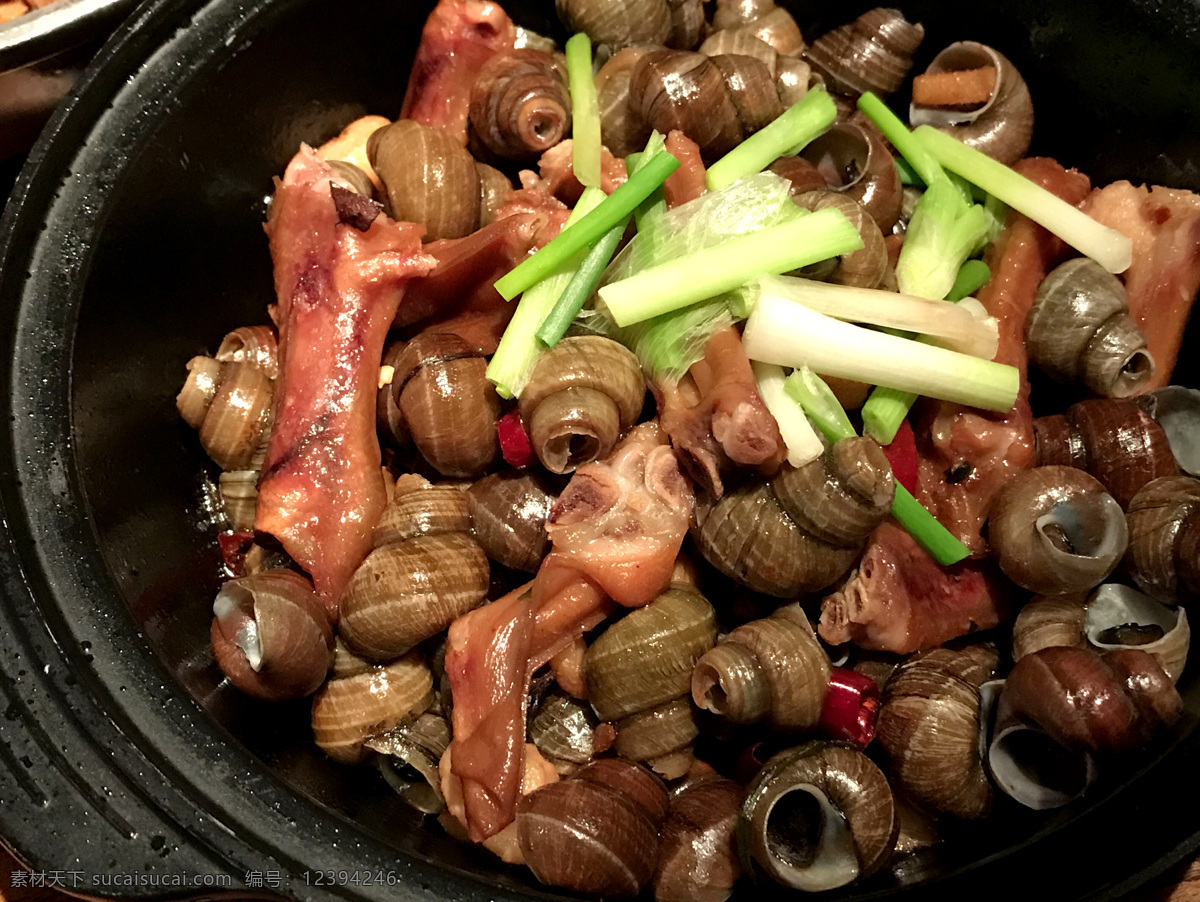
(133, 241)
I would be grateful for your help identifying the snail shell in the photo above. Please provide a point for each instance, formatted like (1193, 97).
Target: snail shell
(929, 727)
(741, 42)
(854, 160)
(448, 404)
(1001, 127)
(1177, 410)
(806, 527)
(420, 509)
(1164, 538)
(1079, 330)
(239, 495)
(406, 592)
(349, 711)
(1047, 621)
(563, 729)
(802, 175)
(655, 735)
(271, 636)
(751, 87)
(697, 858)
(590, 835)
(761, 19)
(389, 419)
(623, 129)
(1031, 768)
(1090, 701)
(618, 23)
(255, 345)
(408, 759)
(229, 404)
(520, 106)
(647, 657)
(866, 267)
(817, 817)
(509, 511)
(494, 188)
(872, 53)
(1121, 617)
(429, 177)
(772, 669)
(582, 396)
(354, 177)
(733, 13)
(675, 89)
(687, 24)
(1113, 439)
(1055, 529)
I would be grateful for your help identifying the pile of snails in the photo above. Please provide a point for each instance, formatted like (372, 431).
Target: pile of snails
(711, 734)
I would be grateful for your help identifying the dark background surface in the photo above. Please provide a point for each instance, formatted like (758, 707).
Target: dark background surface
(153, 249)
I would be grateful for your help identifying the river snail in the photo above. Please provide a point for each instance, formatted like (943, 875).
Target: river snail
(1079, 330)
(428, 176)
(930, 727)
(1001, 126)
(854, 159)
(1055, 529)
(697, 858)
(411, 588)
(715, 101)
(509, 510)
(647, 657)
(792, 76)
(772, 670)
(805, 528)
(661, 737)
(762, 19)
(872, 53)
(618, 23)
(1164, 538)
(1113, 439)
(596, 832)
(348, 711)
(448, 406)
(1112, 616)
(271, 635)
(817, 817)
(255, 345)
(865, 267)
(582, 396)
(1177, 410)
(623, 129)
(229, 404)
(520, 106)
(408, 759)
(1092, 701)
(563, 729)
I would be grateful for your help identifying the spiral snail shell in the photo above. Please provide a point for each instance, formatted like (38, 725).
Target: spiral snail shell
(715, 101)
(271, 636)
(428, 176)
(448, 405)
(771, 670)
(509, 512)
(1002, 126)
(1079, 330)
(854, 159)
(817, 817)
(520, 106)
(582, 396)
(866, 267)
(647, 657)
(414, 585)
(596, 832)
(1112, 439)
(1055, 529)
(229, 404)
(255, 345)
(349, 711)
(929, 727)
(618, 23)
(622, 128)
(1164, 538)
(872, 53)
(805, 528)
(697, 859)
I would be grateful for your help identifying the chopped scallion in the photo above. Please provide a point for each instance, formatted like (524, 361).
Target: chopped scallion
(585, 111)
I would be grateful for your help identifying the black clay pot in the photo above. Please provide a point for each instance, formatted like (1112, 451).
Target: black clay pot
(133, 241)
